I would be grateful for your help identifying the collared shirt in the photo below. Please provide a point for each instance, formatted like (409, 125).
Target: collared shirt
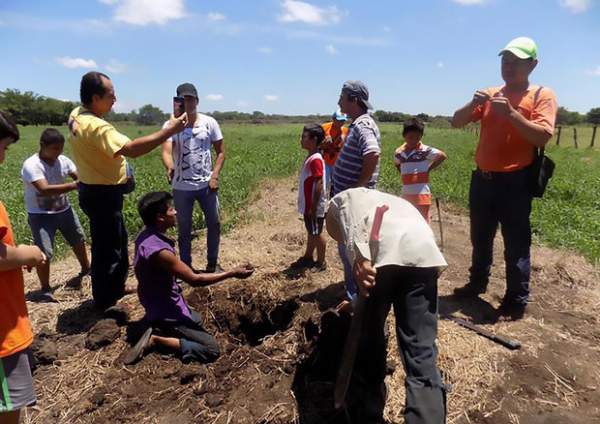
(192, 159)
(158, 290)
(501, 148)
(405, 237)
(414, 169)
(363, 138)
(95, 144)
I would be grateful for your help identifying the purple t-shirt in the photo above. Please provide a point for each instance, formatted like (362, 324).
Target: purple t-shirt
(159, 293)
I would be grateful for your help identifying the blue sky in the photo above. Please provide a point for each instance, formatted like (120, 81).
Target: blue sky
(287, 56)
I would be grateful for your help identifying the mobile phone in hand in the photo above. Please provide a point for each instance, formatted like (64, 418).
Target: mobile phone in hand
(178, 106)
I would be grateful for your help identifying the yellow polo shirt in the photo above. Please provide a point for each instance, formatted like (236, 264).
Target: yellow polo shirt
(95, 144)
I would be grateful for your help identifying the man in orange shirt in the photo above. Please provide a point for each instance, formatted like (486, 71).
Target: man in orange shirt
(515, 119)
(335, 135)
(16, 382)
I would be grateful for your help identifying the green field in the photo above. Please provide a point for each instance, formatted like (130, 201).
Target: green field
(584, 137)
(568, 216)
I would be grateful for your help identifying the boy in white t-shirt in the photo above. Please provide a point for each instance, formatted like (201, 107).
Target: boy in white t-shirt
(312, 198)
(47, 204)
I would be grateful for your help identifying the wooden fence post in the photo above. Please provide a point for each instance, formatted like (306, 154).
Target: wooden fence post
(593, 136)
(575, 137)
(558, 135)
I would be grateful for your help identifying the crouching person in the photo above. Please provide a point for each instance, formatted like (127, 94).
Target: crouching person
(403, 275)
(172, 324)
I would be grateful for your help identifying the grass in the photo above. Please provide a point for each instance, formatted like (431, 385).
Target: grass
(568, 216)
(584, 136)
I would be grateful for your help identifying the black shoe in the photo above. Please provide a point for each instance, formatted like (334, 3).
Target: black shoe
(511, 310)
(213, 268)
(136, 352)
(319, 266)
(469, 290)
(302, 262)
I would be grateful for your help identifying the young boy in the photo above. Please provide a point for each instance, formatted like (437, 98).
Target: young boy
(312, 198)
(15, 329)
(47, 204)
(415, 160)
(176, 327)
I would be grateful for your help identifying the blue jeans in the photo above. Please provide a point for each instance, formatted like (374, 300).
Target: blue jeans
(351, 287)
(209, 203)
(501, 198)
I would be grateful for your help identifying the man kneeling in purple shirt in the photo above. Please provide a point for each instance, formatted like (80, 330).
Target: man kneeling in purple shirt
(172, 324)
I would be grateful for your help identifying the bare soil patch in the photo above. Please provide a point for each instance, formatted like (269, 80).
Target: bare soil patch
(280, 345)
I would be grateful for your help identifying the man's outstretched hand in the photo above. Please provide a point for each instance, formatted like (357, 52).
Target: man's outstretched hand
(364, 275)
(243, 271)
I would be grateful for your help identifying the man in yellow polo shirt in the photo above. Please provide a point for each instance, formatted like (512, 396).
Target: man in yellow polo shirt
(99, 152)
(515, 119)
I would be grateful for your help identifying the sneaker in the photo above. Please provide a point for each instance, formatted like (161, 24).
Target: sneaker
(137, 351)
(511, 310)
(469, 290)
(319, 266)
(46, 296)
(302, 262)
(213, 268)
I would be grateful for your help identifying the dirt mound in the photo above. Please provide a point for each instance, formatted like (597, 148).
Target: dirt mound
(280, 345)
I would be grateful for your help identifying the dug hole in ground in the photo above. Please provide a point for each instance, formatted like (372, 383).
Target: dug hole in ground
(280, 351)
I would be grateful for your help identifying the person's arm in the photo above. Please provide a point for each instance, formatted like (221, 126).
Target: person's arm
(142, 145)
(17, 257)
(437, 160)
(219, 161)
(464, 115)
(171, 264)
(533, 133)
(46, 189)
(318, 180)
(167, 158)
(370, 161)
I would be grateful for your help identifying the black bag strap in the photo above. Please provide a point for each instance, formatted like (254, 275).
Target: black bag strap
(538, 151)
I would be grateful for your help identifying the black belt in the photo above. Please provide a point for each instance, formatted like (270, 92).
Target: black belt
(490, 175)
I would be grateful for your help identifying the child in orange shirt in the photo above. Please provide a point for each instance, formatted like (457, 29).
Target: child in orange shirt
(415, 160)
(16, 382)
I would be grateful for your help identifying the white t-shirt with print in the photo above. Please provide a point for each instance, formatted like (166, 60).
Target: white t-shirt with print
(35, 169)
(192, 157)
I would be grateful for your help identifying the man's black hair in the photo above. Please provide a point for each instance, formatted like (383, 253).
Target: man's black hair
(413, 124)
(152, 204)
(51, 136)
(315, 131)
(91, 83)
(8, 127)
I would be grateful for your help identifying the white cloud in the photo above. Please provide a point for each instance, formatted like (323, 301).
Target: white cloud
(265, 50)
(214, 97)
(594, 72)
(76, 62)
(115, 67)
(215, 16)
(387, 29)
(242, 104)
(271, 97)
(145, 12)
(299, 11)
(440, 64)
(109, 2)
(470, 2)
(329, 48)
(576, 6)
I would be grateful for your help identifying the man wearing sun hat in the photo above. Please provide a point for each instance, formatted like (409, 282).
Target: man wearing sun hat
(515, 119)
(335, 135)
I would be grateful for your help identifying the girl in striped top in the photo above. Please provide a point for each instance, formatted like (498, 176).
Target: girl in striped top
(415, 160)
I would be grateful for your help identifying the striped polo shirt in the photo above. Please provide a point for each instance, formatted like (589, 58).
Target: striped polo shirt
(414, 169)
(363, 138)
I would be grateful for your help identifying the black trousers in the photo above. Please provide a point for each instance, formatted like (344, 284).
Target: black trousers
(413, 294)
(103, 205)
(501, 198)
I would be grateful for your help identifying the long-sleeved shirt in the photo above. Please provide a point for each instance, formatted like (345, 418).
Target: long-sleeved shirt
(406, 239)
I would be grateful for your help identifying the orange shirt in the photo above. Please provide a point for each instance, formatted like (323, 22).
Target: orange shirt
(15, 329)
(331, 152)
(501, 148)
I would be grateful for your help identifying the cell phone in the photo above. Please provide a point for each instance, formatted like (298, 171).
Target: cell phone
(178, 106)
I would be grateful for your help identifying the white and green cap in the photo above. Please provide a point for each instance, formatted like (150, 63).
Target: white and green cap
(522, 47)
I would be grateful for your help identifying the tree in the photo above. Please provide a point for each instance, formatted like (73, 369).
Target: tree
(150, 115)
(566, 117)
(593, 116)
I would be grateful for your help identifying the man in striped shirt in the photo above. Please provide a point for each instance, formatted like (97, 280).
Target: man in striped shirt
(415, 160)
(358, 162)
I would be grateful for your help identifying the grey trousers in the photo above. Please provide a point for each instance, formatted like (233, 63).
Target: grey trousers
(413, 294)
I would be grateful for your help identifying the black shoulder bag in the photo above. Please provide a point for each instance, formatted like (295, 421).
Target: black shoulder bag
(542, 167)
